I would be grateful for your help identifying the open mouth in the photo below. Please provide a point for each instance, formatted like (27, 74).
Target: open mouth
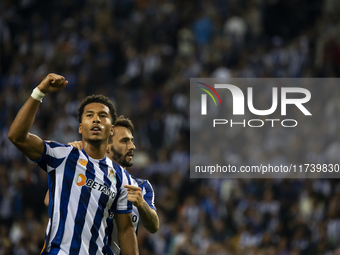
(95, 130)
(129, 155)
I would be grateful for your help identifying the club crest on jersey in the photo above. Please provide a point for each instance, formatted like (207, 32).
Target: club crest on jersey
(112, 176)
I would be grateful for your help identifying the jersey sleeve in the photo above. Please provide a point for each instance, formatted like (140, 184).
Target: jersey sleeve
(121, 203)
(53, 155)
(149, 195)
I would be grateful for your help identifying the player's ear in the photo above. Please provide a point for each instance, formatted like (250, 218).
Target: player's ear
(80, 129)
(112, 129)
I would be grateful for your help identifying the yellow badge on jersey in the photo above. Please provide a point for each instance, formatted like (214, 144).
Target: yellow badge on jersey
(83, 162)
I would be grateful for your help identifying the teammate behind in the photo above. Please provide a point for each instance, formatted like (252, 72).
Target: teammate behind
(85, 187)
(121, 150)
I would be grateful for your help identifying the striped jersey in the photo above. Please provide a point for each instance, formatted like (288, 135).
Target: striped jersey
(83, 194)
(149, 197)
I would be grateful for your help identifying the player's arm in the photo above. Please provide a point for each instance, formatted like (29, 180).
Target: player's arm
(148, 215)
(126, 234)
(31, 145)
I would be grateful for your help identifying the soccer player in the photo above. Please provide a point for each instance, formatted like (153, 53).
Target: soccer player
(85, 187)
(140, 193)
(121, 150)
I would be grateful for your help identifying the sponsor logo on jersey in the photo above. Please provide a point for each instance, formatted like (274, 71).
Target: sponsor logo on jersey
(81, 180)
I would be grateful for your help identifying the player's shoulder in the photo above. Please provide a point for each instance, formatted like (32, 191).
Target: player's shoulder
(140, 182)
(57, 150)
(55, 144)
(114, 165)
(122, 175)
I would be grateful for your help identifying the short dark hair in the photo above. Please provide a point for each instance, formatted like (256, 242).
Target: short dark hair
(122, 122)
(97, 99)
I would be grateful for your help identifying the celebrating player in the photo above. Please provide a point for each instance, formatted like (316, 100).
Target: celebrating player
(85, 187)
(121, 150)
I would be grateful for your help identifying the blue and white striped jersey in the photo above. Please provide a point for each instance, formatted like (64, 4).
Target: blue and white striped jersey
(149, 197)
(83, 193)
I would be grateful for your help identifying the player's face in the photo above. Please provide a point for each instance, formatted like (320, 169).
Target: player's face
(121, 150)
(96, 125)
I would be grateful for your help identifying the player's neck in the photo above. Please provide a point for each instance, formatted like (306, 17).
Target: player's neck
(118, 163)
(96, 151)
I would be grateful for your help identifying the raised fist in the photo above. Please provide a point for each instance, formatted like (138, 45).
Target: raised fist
(52, 83)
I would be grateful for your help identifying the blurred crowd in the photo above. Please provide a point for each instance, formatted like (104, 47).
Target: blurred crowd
(141, 54)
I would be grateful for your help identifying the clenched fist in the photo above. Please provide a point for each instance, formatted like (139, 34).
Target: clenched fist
(52, 82)
(135, 195)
